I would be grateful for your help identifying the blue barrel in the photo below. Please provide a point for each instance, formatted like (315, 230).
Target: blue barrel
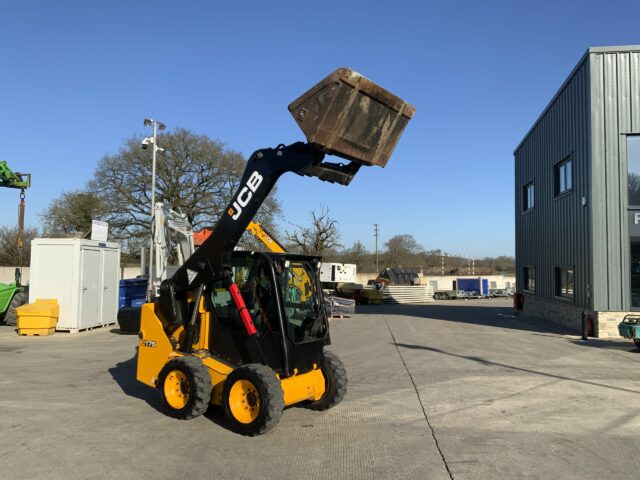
(133, 291)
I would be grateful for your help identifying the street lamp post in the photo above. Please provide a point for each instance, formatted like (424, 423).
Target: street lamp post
(153, 141)
(375, 234)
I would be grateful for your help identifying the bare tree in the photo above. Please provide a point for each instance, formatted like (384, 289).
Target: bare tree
(72, 213)
(399, 253)
(401, 249)
(356, 254)
(195, 175)
(319, 238)
(9, 253)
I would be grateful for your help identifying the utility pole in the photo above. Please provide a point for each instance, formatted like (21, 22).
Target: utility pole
(155, 149)
(375, 234)
(442, 269)
(473, 266)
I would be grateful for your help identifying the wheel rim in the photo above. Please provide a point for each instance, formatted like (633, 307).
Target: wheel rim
(176, 389)
(244, 401)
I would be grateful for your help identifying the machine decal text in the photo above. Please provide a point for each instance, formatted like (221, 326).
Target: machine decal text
(191, 275)
(245, 195)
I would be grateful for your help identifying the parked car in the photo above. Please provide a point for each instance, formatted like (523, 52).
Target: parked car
(474, 294)
(499, 292)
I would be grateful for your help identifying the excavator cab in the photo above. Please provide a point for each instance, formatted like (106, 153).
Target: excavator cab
(247, 330)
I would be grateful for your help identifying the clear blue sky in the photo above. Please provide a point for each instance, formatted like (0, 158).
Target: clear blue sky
(79, 77)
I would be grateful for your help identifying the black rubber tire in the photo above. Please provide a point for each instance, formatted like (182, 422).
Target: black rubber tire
(11, 316)
(271, 399)
(129, 319)
(637, 342)
(199, 387)
(335, 377)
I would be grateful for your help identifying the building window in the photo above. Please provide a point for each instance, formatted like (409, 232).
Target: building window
(528, 197)
(565, 283)
(633, 170)
(563, 176)
(529, 276)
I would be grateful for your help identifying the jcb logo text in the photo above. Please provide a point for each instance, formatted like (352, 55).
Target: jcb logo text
(245, 195)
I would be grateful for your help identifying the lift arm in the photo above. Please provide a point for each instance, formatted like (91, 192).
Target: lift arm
(345, 115)
(263, 170)
(11, 179)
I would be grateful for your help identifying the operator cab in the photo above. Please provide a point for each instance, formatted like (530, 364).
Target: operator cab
(283, 295)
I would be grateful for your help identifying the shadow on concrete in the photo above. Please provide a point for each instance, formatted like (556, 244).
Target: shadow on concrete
(216, 415)
(117, 331)
(615, 347)
(480, 312)
(489, 363)
(124, 373)
(621, 346)
(488, 313)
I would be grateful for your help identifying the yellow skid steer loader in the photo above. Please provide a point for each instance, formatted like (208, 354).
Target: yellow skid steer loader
(240, 329)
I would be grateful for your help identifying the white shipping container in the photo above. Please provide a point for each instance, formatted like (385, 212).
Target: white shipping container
(338, 272)
(83, 275)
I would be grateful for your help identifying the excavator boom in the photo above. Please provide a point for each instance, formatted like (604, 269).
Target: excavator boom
(265, 237)
(255, 229)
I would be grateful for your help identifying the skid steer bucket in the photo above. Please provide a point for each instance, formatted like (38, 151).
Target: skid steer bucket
(348, 115)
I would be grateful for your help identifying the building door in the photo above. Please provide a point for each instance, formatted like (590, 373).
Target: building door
(90, 288)
(109, 300)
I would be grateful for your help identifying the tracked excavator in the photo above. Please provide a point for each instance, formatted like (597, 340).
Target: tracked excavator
(234, 328)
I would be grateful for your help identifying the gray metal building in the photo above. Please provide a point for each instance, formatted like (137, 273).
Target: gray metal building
(577, 179)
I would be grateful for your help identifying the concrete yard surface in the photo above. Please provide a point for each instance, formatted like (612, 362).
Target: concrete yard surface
(458, 389)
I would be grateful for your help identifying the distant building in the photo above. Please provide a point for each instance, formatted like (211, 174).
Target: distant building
(577, 175)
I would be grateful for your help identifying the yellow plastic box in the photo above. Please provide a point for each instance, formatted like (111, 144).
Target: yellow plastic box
(38, 318)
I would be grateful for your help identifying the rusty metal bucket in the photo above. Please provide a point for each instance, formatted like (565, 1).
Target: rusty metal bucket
(348, 115)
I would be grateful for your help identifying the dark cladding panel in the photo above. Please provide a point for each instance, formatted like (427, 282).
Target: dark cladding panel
(555, 232)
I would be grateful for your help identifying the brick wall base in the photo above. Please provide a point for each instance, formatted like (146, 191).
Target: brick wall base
(605, 324)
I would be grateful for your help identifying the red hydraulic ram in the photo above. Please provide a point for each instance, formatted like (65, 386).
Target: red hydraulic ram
(242, 309)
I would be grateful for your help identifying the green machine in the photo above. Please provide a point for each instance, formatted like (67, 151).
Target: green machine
(14, 294)
(630, 328)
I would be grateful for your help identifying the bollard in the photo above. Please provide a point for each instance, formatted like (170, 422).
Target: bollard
(585, 327)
